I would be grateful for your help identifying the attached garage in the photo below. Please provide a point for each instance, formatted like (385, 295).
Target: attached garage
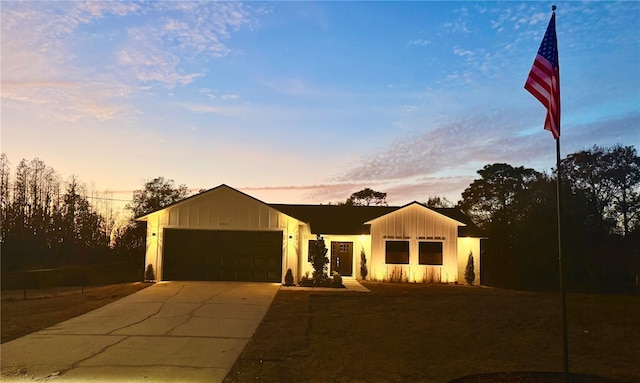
(222, 255)
(221, 235)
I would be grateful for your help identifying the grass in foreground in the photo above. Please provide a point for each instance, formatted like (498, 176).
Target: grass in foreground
(44, 308)
(431, 333)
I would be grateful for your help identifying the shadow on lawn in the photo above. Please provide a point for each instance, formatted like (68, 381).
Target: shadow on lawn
(531, 377)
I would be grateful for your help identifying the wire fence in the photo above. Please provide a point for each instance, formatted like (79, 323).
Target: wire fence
(82, 276)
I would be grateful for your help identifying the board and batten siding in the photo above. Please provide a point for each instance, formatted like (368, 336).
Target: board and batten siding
(222, 208)
(361, 242)
(414, 223)
(468, 245)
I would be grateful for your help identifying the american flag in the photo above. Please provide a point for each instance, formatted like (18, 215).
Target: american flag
(544, 78)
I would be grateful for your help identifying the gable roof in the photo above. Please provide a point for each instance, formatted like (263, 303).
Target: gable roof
(422, 206)
(350, 220)
(335, 219)
(341, 219)
(198, 195)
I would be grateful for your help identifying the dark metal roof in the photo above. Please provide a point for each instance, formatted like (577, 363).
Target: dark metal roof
(350, 220)
(335, 219)
(343, 219)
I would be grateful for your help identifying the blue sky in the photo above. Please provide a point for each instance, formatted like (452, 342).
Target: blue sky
(307, 102)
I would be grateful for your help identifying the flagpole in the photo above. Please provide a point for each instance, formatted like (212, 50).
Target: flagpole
(563, 292)
(565, 341)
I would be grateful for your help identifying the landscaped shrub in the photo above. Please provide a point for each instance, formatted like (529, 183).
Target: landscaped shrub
(149, 274)
(326, 282)
(364, 271)
(306, 281)
(337, 280)
(288, 278)
(319, 260)
(469, 272)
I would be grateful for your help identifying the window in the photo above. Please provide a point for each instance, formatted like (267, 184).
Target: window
(397, 252)
(430, 253)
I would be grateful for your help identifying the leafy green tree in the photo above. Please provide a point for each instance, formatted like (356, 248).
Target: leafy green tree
(607, 183)
(586, 178)
(155, 195)
(517, 209)
(81, 226)
(490, 199)
(515, 206)
(439, 202)
(367, 197)
(601, 212)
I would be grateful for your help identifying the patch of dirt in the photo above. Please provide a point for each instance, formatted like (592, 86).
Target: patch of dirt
(46, 307)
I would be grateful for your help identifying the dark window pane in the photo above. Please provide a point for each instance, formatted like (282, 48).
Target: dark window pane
(430, 253)
(397, 252)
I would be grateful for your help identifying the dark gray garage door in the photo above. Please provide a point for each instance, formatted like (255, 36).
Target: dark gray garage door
(216, 255)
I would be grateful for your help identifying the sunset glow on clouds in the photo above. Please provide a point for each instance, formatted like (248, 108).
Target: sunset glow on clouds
(307, 102)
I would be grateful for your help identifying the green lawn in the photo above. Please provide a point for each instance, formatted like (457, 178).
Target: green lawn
(435, 333)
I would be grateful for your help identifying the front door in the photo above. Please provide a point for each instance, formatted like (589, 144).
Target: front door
(342, 258)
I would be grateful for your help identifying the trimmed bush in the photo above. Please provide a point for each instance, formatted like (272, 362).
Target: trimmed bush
(364, 271)
(336, 281)
(469, 272)
(288, 278)
(306, 281)
(149, 274)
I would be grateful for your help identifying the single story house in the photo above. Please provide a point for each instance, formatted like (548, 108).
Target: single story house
(225, 234)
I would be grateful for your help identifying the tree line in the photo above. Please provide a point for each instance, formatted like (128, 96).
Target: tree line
(600, 222)
(45, 222)
(48, 222)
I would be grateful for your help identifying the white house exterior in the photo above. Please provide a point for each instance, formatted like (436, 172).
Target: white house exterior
(224, 234)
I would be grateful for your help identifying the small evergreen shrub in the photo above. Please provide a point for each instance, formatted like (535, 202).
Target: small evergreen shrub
(469, 272)
(288, 278)
(337, 280)
(319, 261)
(326, 282)
(364, 271)
(149, 274)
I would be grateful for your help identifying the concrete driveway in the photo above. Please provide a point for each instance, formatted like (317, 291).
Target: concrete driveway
(169, 332)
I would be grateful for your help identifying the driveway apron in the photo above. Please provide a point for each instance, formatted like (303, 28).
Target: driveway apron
(169, 332)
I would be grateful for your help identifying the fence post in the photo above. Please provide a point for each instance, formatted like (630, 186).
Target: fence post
(24, 285)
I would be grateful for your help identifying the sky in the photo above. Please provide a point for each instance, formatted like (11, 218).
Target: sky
(308, 102)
